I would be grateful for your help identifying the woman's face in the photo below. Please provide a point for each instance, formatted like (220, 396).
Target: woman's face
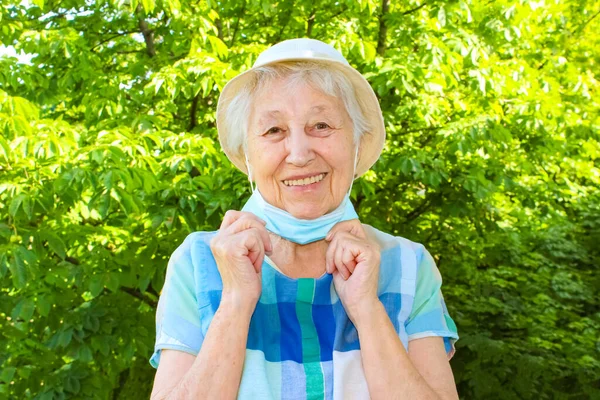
(300, 149)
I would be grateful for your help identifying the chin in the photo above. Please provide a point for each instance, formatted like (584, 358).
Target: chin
(308, 212)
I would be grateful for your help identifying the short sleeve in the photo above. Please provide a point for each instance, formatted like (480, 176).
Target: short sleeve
(178, 324)
(429, 315)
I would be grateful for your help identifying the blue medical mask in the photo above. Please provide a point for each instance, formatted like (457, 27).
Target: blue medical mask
(300, 231)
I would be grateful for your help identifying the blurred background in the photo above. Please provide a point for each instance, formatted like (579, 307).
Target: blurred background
(109, 158)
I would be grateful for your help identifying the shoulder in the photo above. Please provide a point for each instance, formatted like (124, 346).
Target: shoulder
(194, 244)
(390, 243)
(190, 255)
(401, 259)
(198, 238)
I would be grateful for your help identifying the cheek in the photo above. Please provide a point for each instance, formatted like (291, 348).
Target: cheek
(340, 157)
(267, 160)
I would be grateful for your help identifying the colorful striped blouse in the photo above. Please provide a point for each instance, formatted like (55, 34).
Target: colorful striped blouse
(301, 343)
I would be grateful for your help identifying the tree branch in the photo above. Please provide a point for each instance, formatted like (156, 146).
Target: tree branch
(133, 292)
(310, 22)
(332, 16)
(127, 51)
(146, 31)
(122, 381)
(422, 208)
(193, 109)
(111, 38)
(139, 296)
(237, 24)
(219, 26)
(382, 27)
(583, 26)
(284, 23)
(417, 8)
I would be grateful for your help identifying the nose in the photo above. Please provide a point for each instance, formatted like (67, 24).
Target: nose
(300, 151)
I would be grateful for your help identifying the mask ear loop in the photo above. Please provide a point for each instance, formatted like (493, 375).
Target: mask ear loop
(249, 172)
(353, 173)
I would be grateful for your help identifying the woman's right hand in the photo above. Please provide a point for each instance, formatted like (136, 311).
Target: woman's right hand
(239, 249)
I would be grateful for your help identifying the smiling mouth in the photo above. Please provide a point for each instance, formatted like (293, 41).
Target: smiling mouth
(305, 181)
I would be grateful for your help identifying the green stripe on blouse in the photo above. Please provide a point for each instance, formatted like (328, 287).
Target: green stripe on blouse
(311, 349)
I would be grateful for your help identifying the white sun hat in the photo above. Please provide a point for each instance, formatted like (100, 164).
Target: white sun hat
(304, 49)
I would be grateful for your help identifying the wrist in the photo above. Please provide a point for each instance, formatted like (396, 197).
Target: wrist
(367, 313)
(237, 304)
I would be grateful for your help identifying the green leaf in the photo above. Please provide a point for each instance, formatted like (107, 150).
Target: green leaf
(23, 108)
(113, 281)
(218, 46)
(96, 285)
(55, 243)
(65, 337)
(92, 323)
(18, 271)
(85, 354)
(15, 203)
(148, 6)
(72, 385)
(7, 374)
(100, 344)
(174, 6)
(44, 304)
(27, 309)
(4, 148)
(441, 16)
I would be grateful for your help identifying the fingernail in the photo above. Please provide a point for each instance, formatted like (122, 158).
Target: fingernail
(328, 237)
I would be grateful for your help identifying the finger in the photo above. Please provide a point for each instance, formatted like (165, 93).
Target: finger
(245, 222)
(348, 257)
(233, 215)
(338, 279)
(339, 264)
(252, 241)
(329, 263)
(352, 226)
(330, 254)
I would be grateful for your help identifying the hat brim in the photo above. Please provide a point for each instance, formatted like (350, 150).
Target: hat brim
(371, 143)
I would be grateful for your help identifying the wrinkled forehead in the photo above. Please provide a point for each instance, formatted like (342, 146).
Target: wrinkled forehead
(275, 98)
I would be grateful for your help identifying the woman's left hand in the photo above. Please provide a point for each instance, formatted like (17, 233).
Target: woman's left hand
(354, 262)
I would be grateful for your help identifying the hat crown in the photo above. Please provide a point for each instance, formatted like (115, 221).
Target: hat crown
(301, 48)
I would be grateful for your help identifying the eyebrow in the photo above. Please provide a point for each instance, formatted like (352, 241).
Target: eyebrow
(318, 108)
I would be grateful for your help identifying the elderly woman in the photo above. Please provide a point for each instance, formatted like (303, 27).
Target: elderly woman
(293, 297)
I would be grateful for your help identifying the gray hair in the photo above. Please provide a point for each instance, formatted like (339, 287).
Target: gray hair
(330, 81)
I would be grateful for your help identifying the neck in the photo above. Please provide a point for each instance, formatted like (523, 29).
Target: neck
(299, 261)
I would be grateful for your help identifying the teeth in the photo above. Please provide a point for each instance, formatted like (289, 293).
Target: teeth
(305, 181)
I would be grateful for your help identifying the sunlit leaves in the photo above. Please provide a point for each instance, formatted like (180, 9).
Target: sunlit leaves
(109, 157)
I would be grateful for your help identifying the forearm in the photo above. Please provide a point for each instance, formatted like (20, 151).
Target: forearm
(389, 372)
(217, 370)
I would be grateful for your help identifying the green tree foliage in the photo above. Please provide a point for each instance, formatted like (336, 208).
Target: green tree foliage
(109, 158)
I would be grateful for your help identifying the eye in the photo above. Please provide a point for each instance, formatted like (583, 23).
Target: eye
(273, 130)
(321, 125)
